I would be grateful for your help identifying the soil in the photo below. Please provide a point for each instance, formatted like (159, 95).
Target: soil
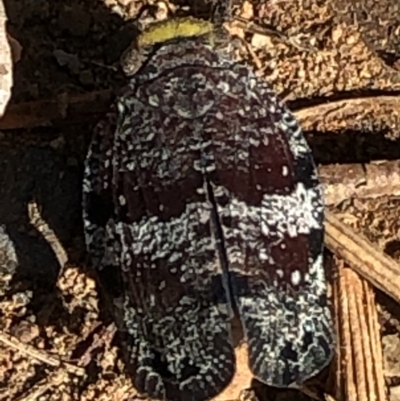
(332, 52)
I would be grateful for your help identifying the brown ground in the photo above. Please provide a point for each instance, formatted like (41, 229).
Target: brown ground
(73, 47)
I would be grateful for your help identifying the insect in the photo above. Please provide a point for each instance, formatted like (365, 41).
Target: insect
(200, 193)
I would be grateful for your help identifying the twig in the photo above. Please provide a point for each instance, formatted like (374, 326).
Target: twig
(363, 256)
(48, 234)
(58, 375)
(63, 110)
(27, 349)
(360, 375)
(369, 180)
(337, 387)
(39, 388)
(376, 344)
(357, 350)
(267, 30)
(346, 114)
(345, 387)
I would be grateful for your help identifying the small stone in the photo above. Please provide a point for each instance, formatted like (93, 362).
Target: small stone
(25, 331)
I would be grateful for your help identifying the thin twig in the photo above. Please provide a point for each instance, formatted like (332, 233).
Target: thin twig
(339, 308)
(267, 30)
(349, 390)
(362, 181)
(376, 343)
(363, 256)
(360, 375)
(58, 375)
(41, 356)
(345, 114)
(37, 221)
(62, 110)
(357, 349)
(39, 388)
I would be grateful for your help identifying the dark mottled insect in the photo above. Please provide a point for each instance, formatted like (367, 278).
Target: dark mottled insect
(201, 193)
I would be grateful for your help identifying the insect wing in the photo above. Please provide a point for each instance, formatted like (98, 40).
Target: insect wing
(270, 212)
(177, 310)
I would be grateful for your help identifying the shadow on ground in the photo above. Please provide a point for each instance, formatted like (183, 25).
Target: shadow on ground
(45, 164)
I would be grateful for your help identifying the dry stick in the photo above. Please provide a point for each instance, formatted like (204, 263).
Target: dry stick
(75, 109)
(341, 329)
(370, 369)
(37, 221)
(357, 334)
(363, 256)
(360, 376)
(349, 383)
(364, 380)
(27, 349)
(370, 180)
(376, 345)
(62, 110)
(344, 114)
(55, 378)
